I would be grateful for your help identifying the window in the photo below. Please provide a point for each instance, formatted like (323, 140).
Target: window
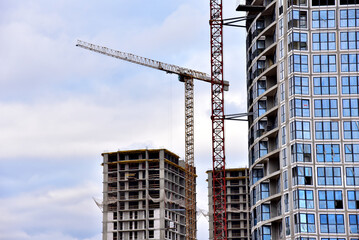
(299, 108)
(297, 2)
(260, 108)
(351, 152)
(284, 157)
(323, 2)
(326, 130)
(285, 180)
(286, 202)
(353, 199)
(330, 199)
(265, 212)
(297, 19)
(350, 85)
(332, 223)
(263, 148)
(328, 153)
(325, 85)
(283, 135)
(304, 223)
(307, 238)
(302, 175)
(303, 199)
(329, 176)
(257, 174)
(287, 226)
(299, 85)
(281, 70)
(348, 2)
(266, 233)
(282, 113)
(282, 92)
(351, 130)
(298, 63)
(326, 108)
(349, 40)
(352, 176)
(280, 27)
(349, 62)
(297, 41)
(350, 107)
(323, 41)
(264, 190)
(323, 19)
(301, 152)
(324, 63)
(261, 87)
(354, 223)
(349, 18)
(299, 130)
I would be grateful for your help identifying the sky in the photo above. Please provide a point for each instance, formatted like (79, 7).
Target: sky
(62, 106)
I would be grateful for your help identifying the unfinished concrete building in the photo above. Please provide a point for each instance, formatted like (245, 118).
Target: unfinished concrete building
(143, 195)
(237, 188)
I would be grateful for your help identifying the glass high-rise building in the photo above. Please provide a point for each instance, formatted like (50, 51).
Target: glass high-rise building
(303, 86)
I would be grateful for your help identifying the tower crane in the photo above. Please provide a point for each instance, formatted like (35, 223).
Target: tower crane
(185, 75)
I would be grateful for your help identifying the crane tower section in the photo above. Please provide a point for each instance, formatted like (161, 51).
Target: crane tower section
(218, 147)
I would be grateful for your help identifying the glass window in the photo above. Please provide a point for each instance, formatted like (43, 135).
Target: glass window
(350, 107)
(352, 176)
(354, 223)
(326, 130)
(351, 130)
(301, 152)
(298, 63)
(297, 41)
(328, 153)
(282, 92)
(257, 174)
(330, 199)
(332, 223)
(264, 190)
(329, 176)
(297, 19)
(284, 157)
(303, 199)
(349, 62)
(281, 49)
(323, 19)
(302, 175)
(304, 223)
(349, 40)
(323, 41)
(265, 212)
(349, 18)
(286, 202)
(299, 85)
(266, 233)
(287, 226)
(285, 180)
(353, 199)
(351, 152)
(323, 2)
(283, 135)
(299, 108)
(282, 113)
(299, 130)
(350, 85)
(324, 63)
(297, 2)
(281, 70)
(261, 87)
(326, 108)
(325, 85)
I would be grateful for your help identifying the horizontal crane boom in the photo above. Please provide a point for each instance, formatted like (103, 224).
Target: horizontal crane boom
(169, 68)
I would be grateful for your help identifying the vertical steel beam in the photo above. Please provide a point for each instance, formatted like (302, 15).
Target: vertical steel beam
(218, 149)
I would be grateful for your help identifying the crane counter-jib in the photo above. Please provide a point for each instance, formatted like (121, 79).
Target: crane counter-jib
(169, 68)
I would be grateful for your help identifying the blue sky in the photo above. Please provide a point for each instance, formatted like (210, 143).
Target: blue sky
(62, 106)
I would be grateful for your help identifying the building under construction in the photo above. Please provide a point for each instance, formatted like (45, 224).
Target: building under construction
(237, 189)
(144, 195)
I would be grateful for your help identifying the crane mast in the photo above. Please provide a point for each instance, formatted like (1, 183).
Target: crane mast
(185, 75)
(218, 146)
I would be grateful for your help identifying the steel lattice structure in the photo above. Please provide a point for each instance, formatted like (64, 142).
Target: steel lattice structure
(218, 147)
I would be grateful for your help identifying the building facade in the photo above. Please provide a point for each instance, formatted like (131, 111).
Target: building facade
(302, 86)
(143, 195)
(237, 188)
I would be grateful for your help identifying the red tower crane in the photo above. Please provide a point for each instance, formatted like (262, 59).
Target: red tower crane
(218, 147)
